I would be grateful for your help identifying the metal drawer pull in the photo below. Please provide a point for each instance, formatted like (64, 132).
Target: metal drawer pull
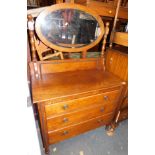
(110, 11)
(102, 109)
(106, 98)
(65, 106)
(100, 121)
(65, 132)
(65, 120)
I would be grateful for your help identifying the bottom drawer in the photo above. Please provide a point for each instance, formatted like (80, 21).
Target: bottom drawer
(70, 131)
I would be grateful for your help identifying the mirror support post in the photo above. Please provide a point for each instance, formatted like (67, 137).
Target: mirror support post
(31, 35)
(84, 53)
(104, 43)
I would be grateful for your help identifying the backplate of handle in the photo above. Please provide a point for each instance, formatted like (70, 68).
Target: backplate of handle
(102, 109)
(106, 98)
(65, 106)
(65, 120)
(65, 132)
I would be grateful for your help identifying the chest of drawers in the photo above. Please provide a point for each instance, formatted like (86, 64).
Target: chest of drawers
(72, 101)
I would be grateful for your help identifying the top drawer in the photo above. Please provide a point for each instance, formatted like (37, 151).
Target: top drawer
(77, 104)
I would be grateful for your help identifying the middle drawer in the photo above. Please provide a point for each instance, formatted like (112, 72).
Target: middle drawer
(74, 117)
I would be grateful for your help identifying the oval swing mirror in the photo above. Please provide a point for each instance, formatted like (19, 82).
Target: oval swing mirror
(69, 27)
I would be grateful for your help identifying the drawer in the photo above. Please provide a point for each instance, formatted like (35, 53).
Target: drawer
(77, 129)
(77, 104)
(71, 118)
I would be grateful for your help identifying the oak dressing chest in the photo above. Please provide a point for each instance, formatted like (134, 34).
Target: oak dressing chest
(72, 95)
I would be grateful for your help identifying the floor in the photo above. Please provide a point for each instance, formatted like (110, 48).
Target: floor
(94, 142)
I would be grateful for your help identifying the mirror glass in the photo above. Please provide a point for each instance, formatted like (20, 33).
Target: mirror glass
(70, 28)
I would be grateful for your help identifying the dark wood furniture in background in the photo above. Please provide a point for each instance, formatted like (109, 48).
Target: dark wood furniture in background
(75, 95)
(106, 8)
(117, 61)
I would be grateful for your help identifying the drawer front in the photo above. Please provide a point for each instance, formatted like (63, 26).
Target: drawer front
(67, 119)
(77, 129)
(77, 104)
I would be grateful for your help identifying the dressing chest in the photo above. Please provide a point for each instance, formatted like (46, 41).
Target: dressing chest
(74, 96)
(72, 100)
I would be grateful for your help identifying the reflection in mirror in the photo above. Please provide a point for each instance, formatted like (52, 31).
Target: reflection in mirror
(70, 28)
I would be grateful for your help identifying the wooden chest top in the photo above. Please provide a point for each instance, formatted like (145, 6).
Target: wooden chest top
(65, 84)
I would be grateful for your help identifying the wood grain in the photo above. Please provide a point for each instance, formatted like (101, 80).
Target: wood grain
(43, 123)
(71, 131)
(72, 105)
(83, 88)
(60, 121)
(53, 86)
(117, 63)
(69, 65)
(121, 38)
(56, 66)
(104, 9)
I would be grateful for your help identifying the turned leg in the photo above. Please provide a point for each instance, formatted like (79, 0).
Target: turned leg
(47, 150)
(110, 129)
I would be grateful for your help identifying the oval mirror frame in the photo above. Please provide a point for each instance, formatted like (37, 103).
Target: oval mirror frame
(56, 7)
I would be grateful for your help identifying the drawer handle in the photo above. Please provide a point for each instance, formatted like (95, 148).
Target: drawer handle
(102, 109)
(110, 11)
(106, 98)
(65, 106)
(65, 120)
(65, 133)
(100, 121)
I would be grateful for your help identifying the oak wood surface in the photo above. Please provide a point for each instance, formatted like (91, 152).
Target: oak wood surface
(121, 38)
(83, 102)
(117, 63)
(71, 131)
(60, 121)
(42, 116)
(82, 85)
(70, 65)
(66, 84)
(57, 85)
(54, 66)
(105, 9)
